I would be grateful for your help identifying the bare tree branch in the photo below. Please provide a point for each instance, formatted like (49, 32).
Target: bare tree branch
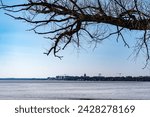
(69, 20)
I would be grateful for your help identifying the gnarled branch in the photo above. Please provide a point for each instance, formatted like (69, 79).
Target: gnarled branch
(68, 20)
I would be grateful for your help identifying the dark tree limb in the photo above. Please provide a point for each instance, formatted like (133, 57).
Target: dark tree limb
(69, 20)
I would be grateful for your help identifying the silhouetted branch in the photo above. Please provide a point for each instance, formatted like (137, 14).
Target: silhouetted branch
(69, 20)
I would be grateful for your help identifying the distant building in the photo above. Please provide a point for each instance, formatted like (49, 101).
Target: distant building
(99, 74)
(60, 77)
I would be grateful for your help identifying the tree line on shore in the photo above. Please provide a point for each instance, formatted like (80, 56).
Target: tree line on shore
(102, 78)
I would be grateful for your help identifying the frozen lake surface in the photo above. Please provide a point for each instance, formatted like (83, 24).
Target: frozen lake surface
(53, 90)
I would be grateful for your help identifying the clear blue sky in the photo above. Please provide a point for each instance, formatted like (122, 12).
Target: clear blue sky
(21, 55)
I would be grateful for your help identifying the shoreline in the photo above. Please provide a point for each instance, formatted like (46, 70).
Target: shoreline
(60, 81)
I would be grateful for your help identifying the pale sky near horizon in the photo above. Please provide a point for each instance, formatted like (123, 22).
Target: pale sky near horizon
(21, 56)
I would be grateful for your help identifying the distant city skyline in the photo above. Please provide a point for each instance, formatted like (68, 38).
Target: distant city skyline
(21, 55)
